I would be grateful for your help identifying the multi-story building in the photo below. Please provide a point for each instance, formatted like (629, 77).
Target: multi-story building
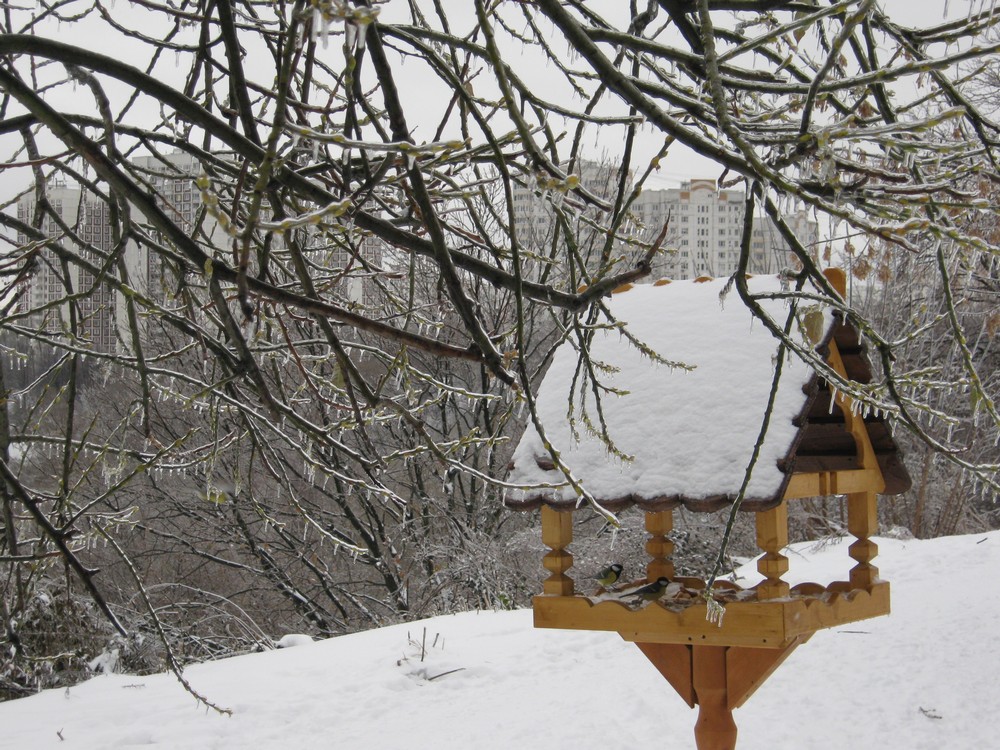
(705, 226)
(341, 258)
(341, 262)
(53, 287)
(769, 253)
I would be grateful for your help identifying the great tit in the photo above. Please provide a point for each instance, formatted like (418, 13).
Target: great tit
(609, 575)
(652, 591)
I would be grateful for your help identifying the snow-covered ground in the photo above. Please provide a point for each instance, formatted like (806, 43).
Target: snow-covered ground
(924, 677)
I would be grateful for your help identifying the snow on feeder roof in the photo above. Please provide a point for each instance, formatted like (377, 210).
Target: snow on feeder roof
(685, 434)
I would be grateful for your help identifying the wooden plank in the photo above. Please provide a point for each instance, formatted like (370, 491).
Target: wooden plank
(850, 605)
(825, 437)
(748, 668)
(673, 661)
(817, 484)
(769, 624)
(818, 463)
(745, 623)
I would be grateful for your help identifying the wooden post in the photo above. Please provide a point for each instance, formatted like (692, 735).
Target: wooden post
(557, 533)
(715, 728)
(658, 547)
(772, 537)
(862, 523)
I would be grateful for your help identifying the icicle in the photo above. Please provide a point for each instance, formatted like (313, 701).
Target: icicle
(362, 36)
(324, 31)
(715, 611)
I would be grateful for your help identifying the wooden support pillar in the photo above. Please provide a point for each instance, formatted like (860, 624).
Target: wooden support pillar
(557, 533)
(715, 728)
(862, 523)
(772, 537)
(658, 546)
(717, 679)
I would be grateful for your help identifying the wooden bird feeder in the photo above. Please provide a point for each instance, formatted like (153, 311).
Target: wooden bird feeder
(688, 436)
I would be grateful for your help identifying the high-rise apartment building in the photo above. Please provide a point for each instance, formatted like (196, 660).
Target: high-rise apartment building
(703, 238)
(95, 304)
(85, 226)
(706, 225)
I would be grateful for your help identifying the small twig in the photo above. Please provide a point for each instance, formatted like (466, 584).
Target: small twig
(460, 669)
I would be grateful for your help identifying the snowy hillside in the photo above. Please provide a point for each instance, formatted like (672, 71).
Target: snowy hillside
(924, 677)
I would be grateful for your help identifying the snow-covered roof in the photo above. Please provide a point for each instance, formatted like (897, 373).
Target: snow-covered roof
(681, 434)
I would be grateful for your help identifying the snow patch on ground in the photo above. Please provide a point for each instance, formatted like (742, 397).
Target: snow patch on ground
(294, 639)
(921, 679)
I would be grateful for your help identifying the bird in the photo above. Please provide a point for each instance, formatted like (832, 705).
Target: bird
(609, 575)
(652, 591)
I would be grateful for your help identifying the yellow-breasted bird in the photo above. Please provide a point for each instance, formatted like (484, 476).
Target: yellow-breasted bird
(652, 591)
(609, 575)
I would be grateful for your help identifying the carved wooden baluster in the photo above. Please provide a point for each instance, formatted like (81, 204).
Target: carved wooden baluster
(557, 533)
(772, 537)
(862, 522)
(658, 546)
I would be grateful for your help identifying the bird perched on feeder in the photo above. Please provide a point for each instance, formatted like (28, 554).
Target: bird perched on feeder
(609, 575)
(651, 591)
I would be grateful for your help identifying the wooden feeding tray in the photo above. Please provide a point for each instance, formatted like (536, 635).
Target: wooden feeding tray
(683, 617)
(686, 418)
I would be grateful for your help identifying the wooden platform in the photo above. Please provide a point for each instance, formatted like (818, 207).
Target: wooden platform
(775, 623)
